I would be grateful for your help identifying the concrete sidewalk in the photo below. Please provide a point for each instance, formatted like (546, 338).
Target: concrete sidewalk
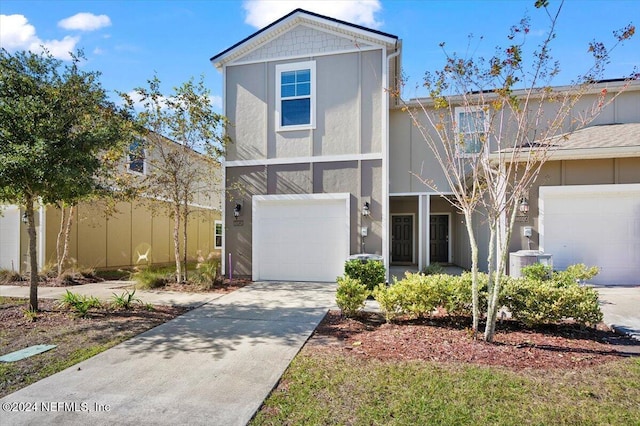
(106, 289)
(214, 365)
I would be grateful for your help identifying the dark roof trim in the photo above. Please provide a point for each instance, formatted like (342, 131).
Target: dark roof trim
(338, 21)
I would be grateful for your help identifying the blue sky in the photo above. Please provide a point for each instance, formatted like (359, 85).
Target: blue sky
(130, 40)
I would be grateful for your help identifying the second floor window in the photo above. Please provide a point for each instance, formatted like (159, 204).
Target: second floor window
(472, 127)
(295, 96)
(136, 157)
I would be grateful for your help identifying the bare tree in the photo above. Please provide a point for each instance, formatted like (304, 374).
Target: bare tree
(183, 146)
(492, 124)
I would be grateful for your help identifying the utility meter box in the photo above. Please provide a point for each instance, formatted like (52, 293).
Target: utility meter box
(522, 258)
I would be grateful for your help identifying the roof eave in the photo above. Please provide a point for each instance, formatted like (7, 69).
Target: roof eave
(575, 154)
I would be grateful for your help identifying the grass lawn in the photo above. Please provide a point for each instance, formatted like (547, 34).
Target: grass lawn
(328, 388)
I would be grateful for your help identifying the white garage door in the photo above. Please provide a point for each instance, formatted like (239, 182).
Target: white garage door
(10, 238)
(598, 225)
(300, 237)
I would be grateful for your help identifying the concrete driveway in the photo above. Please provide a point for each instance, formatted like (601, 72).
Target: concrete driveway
(214, 365)
(621, 308)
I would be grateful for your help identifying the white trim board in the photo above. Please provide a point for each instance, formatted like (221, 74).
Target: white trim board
(302, 160)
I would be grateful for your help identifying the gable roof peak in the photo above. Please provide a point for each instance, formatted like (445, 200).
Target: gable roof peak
(293, 18)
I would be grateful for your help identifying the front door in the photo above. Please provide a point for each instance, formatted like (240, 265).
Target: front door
(439, 238)
(402, 239)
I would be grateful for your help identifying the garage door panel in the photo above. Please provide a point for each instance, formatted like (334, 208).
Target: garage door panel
(596, 225)
(301, 239)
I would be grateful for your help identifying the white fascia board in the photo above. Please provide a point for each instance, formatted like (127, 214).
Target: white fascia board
(300, 18)
(298, 160)
(577, 154)
(340, 28)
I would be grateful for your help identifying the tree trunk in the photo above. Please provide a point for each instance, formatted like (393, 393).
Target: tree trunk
(185, 227)
(67, 237)
(176, 241)
(33, 255)
(474, 272)
(64, 236)
(492, 310)
(59, 248)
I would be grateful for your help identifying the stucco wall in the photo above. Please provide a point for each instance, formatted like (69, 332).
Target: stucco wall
(348, 109)
(359, 178)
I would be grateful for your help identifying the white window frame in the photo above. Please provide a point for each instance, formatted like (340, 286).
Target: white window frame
(311, 66)
(144, 160)
(215, 234)
(461, 152)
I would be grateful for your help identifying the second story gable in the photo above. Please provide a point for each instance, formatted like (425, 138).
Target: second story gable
(307, 86)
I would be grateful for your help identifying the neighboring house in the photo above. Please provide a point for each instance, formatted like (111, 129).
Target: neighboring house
(135, 233)
(322, 154)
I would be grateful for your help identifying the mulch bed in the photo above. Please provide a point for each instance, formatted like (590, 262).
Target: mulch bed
(445, 339)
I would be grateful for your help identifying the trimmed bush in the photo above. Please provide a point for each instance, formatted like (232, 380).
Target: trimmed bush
(351, 295)
(370, 273)
(459, 301)
(537, 302)
(537, 271)
(416, 295)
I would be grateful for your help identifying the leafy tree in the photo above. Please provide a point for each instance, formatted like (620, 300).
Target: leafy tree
(185, 142)
(513, 120)
(56, 128)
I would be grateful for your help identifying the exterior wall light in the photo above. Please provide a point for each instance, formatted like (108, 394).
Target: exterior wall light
(524, 206)
(366, 209)
(25, 218)
(236, 210)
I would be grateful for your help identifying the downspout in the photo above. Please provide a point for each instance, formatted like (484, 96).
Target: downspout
(385, 163)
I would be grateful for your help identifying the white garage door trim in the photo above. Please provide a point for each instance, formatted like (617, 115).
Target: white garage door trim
(10, 238)
(340, 249)
(617, 205)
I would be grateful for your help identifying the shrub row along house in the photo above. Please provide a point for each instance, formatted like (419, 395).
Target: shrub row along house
(107, 234)
(322, 154)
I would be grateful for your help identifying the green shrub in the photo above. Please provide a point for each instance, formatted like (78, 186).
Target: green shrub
(416, 295)
(575, 274)
(537, 302)
(537, 271)
(459, 299)
(433, 269)
(125, 300)
(370, 273)
(149, 278)
(79, 304)
(351, 295)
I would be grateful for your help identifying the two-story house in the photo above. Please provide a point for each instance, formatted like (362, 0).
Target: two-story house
(129, 233)
(321, 160)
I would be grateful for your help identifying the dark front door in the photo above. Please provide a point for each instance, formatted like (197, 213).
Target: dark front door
(439, 238)
(402, 241)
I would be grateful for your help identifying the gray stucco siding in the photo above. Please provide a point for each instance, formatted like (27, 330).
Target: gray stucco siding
(358, 178)
(246, 109)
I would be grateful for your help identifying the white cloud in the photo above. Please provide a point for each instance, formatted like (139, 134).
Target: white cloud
(362, 12)
(16, 33)
(85, 22)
